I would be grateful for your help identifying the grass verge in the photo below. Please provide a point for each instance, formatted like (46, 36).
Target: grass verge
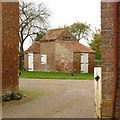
(55, 75)
(28, 96)
(35, 93)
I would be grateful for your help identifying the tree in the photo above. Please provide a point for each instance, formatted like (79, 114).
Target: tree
(33, 19)
(95, 43)
(40, 36)
(80, 30)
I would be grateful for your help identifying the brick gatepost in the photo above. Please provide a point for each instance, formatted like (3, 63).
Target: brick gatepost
(9, 44)
(108, 33)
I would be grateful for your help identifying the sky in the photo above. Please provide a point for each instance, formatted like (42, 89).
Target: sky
(67, 12)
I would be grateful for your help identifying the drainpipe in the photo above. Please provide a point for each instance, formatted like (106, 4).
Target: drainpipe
(115, 60)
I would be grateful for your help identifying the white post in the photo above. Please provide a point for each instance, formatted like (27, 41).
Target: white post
(98, 91)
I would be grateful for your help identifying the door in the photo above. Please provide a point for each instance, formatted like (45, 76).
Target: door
(30, 61)
(84, 62)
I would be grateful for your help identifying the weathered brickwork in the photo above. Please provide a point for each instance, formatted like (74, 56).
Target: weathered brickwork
(66, 36)
(0, 48)
(63, 52)
(35, 49)
(10, 44)
(117, 105)
(107, 26)
(91, 62)
(48, 48)
(107, 57)
(26, 61)
(76, 62)
(64, 59)
(36, 61)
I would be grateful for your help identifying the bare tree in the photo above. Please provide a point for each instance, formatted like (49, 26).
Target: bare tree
(33, 19)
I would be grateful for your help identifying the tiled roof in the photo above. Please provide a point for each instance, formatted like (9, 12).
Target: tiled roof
(76, 47)
(53, 34)
(35, 47)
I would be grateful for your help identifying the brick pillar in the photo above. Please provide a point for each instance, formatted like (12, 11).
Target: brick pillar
(91, 64)
(0, 48)
(10, 45)
(107, 32)
(117, 102)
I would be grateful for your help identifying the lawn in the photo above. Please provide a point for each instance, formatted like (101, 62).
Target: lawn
(55, 75)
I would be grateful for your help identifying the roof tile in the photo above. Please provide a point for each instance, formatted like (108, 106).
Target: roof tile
(76, 47)
(35, 47)
(53, 34)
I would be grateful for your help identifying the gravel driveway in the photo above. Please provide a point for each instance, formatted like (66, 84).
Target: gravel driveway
(67, 99)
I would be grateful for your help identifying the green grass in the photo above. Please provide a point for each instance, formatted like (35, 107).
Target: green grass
(30, 95)
(36, 93)
(55, 75)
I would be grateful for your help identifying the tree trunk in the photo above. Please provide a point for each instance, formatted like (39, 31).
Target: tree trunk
(21, 57)
(21, 47)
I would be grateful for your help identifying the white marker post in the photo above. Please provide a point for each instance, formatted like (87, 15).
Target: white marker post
(98, 92)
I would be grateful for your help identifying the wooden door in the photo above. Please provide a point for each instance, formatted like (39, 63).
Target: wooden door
(30, 61)
(84, 62)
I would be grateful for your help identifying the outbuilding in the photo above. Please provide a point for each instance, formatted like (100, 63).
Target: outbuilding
(60, 51)
(32, 57)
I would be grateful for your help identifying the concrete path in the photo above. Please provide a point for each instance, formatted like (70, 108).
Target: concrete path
(67, 99)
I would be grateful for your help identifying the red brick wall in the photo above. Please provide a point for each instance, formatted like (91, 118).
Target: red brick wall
(107, 58)
(64, 59)
(0, 48)
(36, 61)
(91, 64)
(26, 61)
(66, 36)
(48, 48)
(117, 108)
(76, 62)
(107, 14)
(10, 44)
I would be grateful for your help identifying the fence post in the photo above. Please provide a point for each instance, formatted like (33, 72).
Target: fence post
(98, 92)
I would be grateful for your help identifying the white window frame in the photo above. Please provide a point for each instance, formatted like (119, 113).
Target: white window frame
(43, 59)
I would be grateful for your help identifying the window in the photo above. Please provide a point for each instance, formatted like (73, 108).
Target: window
(43, 59)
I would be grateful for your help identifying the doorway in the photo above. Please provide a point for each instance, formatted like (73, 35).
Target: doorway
(30, 61)
(84, 62)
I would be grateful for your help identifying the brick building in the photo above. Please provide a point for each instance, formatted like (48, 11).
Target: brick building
(32, 57)
(60, 51)
(9, 44)
(110, 29)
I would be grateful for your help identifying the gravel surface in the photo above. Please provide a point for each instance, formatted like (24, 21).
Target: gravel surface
(67, 99)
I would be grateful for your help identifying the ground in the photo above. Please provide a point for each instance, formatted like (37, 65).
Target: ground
(60, 99)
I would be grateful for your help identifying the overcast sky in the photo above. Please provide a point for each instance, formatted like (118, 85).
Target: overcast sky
(66, 12)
